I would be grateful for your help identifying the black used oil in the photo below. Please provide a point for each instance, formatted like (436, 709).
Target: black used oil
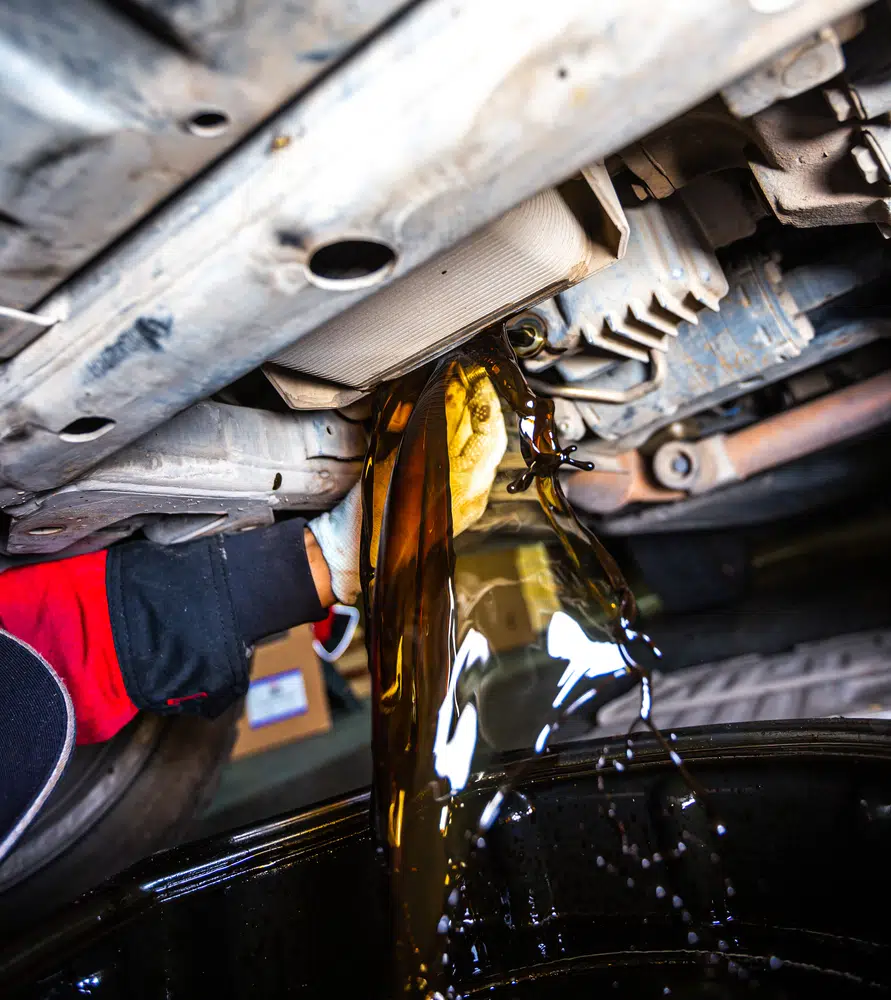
(422, 742)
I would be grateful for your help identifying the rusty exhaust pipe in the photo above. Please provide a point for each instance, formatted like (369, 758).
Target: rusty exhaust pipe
(699, 466)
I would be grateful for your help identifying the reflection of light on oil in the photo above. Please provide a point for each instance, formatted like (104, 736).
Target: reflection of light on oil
(567, 641)
(491, 811)
(391, 696)
(577, 704)
(453, 750)
(520, 808)
(646, 698)
(394, 818)
(542, 739)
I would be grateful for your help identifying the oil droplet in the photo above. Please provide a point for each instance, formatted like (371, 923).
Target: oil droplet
(676, 758)
(601, 861)
(644, 862)
(629, 882)
(681, 847)
(723, 946)
(692, 937)
(660, 892)
(444, 924)
(453, 897)
(677, 902)
(490, 813)
(775, 963)
(720, 829)
(685, 916)
(618, 765)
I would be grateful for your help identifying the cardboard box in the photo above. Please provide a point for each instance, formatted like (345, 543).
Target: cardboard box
(512, 592)
(287, 699)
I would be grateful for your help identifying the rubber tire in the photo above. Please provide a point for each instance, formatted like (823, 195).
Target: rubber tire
(156, 811)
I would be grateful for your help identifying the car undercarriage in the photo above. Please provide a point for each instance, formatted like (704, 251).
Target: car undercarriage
(226, 226)
(221, 229)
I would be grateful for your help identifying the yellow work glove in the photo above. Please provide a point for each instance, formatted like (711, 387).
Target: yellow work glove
(477, 443)
(477, 440)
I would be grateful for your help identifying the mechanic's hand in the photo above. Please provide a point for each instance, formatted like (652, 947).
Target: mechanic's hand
(477, 440)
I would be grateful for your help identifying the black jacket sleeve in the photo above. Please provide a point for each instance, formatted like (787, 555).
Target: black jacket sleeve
(184, 617)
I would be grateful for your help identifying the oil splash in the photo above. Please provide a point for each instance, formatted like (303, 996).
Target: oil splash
(422, 745)
(595, 568)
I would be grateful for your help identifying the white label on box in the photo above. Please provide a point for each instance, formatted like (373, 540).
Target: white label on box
(276, 698)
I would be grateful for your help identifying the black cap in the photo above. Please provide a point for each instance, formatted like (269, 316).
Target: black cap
(36, 735)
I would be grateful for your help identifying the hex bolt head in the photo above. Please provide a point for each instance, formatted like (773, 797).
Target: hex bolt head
(676, 465)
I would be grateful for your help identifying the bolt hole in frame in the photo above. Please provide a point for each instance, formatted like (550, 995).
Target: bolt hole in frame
(350, 263)
(86, 429)
(208, 124)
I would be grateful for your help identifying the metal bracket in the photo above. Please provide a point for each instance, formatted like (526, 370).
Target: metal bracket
(214, 468)
(19, 328)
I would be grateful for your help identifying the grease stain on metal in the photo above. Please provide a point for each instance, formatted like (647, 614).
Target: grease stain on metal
(147, 333)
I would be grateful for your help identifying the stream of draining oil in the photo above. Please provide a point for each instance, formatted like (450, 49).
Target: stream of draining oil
(408, 575)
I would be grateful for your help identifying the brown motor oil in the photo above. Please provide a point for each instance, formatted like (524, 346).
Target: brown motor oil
(424, 738)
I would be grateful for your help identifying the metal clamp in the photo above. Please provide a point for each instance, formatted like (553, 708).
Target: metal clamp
(590, 394)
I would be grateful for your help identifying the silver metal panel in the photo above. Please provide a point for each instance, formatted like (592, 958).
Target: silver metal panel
(534, 248)
(457, 112)
(97, 99)
(214, 467)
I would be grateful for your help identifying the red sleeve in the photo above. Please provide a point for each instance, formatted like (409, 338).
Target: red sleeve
(61, 609)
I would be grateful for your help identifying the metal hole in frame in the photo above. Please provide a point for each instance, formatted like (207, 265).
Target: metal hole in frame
(208, 124)
(350, 263)
(86, 429)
